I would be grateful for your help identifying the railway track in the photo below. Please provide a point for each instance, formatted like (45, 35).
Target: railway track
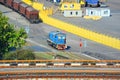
(24, 69)
(61, 74)
(60, 63)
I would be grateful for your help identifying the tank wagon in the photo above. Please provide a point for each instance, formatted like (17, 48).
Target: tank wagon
(57, 40)
(24, 9)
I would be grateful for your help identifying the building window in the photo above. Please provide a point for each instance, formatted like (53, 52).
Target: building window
(76, 13)
(71, 13)
(105, 12)
(72, 6)
(65, 6)
(91, 12)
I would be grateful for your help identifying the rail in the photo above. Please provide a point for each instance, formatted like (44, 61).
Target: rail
(113, 72)
(62, 74)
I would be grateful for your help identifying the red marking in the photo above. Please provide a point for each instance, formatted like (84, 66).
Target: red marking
(81, 44)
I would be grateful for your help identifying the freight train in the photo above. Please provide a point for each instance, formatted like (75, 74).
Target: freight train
(57, 40)
(25, 10)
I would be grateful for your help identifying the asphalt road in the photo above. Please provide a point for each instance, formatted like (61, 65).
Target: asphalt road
(39, 32)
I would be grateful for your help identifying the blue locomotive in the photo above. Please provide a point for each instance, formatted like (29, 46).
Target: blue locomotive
(57, 40)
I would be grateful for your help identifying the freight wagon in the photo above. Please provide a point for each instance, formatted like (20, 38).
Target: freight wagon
(3, 1)
(9, 3)
(16, 5)
(24, 9)
(32, 15)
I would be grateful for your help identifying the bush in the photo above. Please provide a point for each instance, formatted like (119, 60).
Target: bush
(20, 55)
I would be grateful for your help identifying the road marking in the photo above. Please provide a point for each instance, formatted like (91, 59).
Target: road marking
(90, 56)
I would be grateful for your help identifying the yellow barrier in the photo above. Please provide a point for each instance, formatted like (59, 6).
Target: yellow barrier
(27, 1)
(93, 17)
(39, 7)
(36, 5)
(97, 37)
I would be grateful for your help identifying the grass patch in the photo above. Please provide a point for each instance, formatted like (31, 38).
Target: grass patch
(62, 54)
(43, 55)
(66, 55)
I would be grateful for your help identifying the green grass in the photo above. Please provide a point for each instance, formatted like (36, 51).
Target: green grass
(62, 54)
(69, 55)
(43, 55)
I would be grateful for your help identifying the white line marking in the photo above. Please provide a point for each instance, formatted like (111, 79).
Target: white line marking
(90, 57)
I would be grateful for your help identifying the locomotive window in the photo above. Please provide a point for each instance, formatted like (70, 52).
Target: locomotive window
(63, 37)
(71, 13)
(55, 36)
(76, 13)
(59, 37)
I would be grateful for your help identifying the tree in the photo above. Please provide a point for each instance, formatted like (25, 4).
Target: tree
(21, 54)
(9, 37)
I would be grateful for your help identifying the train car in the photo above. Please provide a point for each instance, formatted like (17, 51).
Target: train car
(57, 40)
(32, 15)
(16, 5)
(3, 1)
(9, 3)
(22, 8)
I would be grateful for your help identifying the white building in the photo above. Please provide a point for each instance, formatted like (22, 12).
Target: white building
(103, 12)
(72, 13)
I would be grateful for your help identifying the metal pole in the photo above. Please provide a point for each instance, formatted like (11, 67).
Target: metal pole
(29, 29)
